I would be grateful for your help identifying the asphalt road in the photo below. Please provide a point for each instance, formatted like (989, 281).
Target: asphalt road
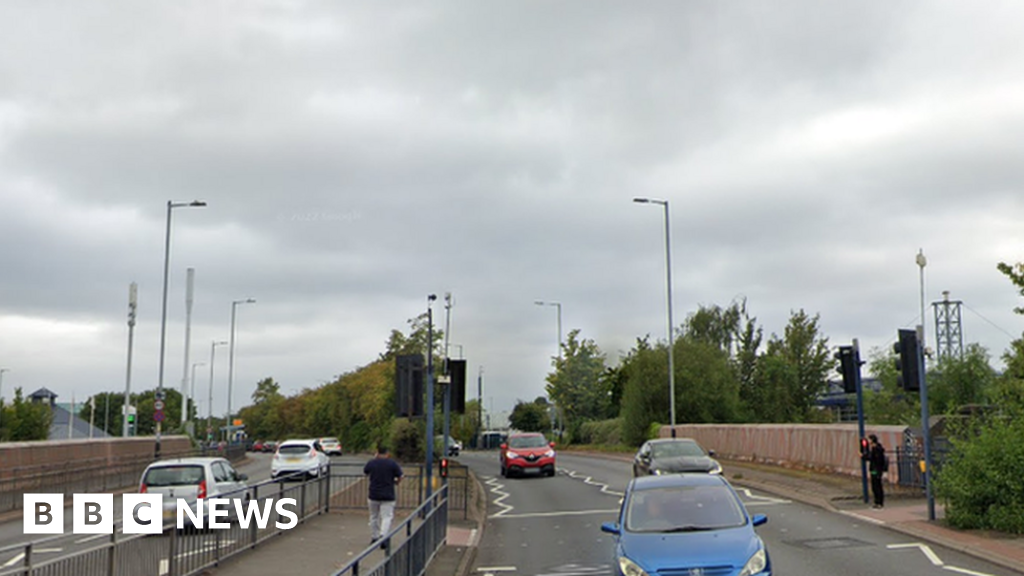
(551, 526)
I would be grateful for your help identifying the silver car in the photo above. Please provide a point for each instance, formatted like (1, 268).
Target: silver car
(191, 479)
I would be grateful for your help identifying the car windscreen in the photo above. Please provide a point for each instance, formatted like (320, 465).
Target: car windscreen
(683, 509)
(329, 441)
(294, 449)
(674, 449)
(527, 442)
(173, 476)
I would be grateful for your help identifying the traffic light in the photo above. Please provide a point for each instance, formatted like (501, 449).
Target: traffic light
(849, 365)
(131, 424)
(409, 376)
(908, 351)
(444, 468)
(457, 371)
(865, 447)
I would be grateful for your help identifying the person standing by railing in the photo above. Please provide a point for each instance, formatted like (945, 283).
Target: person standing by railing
(384, 474)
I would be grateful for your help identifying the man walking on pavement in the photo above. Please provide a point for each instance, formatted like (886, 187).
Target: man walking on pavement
(384, 475)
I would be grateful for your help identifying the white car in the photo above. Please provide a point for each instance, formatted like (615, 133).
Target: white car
(298, 460)
(331, 446)
(193, 478)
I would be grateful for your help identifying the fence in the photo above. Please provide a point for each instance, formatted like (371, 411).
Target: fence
(908, 465)
(410, 546)
(90, 476)
(348, 487)
(175, 552)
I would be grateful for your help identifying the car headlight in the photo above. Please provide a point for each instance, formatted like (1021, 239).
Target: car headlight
(629, 568)
(512, 455)
(657, 472)
(716, 468)
(757, 563)
(549, 454)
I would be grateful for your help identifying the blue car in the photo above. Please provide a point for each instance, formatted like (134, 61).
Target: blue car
(687, 524)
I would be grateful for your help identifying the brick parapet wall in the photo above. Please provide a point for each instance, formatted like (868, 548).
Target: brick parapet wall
(18, 458)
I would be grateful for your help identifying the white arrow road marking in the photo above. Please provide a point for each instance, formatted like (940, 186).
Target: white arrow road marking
(763, 499)
(21, 555)
(924, 549)
(604, 487)
(497, 488)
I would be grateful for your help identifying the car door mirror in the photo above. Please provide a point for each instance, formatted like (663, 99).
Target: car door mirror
(759, 519)
(241, 477)
(611, 528)
(711, 453)
(504, 446)
(551, 444)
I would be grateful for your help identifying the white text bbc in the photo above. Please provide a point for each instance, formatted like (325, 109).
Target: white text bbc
(143, 513)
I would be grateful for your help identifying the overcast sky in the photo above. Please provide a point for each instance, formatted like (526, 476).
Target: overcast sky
(357, 157)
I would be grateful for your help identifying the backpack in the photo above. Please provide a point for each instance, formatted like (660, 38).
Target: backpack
(885, 461)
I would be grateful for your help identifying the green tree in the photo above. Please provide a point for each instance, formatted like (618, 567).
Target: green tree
(1016, 275)
(24, 421)
(645, 396)
(806, 352)
(891, 404)
(576, 385)
(959, 381)
(530, 417)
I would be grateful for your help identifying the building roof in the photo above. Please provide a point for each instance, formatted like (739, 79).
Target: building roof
(43, 393)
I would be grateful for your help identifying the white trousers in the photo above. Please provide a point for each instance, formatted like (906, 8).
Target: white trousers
(381, 514)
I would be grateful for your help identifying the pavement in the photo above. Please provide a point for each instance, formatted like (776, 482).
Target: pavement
(329, 541)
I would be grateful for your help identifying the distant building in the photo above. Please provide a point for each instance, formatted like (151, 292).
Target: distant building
(64, 425)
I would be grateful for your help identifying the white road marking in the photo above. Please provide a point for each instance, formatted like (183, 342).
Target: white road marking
(763, 499)
(555, 514)
(588, 480)
(922, 547)
(965, 571)
(491, 570)
(497, 488)
(93, 537)
(21, 555)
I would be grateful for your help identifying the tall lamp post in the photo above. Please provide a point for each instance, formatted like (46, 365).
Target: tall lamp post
(671, 338)
(2, 370)
(163, 313)
(429, 408)
(133, 301)
(558, 306)
(192, 398)
(209, 399)
(231, 360)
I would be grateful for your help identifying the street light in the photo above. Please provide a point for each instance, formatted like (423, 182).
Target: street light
(671, 339)
(559, 306)
(2, 370)
(429, 408)
(192, 394)
(209, 399)
(163, 314)
(231, 359)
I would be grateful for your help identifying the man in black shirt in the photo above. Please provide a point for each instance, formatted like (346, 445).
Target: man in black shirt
(384, 474)
(875, 457)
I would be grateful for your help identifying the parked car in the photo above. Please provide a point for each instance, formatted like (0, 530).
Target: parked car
(331, 446)
(298, 460)
(191, 479)
(270, 447)
(674, 455)
(257, 446)
(527, 452)
(686, 524)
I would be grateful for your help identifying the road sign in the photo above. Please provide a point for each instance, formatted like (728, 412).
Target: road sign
(158, 416)
(158, 405)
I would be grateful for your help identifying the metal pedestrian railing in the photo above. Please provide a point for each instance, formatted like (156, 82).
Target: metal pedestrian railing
(349, 489)
(410, 546)
(175, 552)
(909, 462)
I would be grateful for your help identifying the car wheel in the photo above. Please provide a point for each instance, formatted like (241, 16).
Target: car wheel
(551, 473)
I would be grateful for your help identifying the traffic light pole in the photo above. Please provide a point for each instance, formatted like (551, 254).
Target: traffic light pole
(860, 418)
(925, 417)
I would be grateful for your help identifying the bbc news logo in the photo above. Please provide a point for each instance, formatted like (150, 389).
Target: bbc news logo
(145, 513)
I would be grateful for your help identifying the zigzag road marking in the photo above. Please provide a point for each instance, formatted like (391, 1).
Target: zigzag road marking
(604, 487)
(934, 558)
(497, 488)
(763, 499)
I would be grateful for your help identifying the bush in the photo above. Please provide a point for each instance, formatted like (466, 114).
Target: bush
(407, 441)
(602, 432)
(981, 483)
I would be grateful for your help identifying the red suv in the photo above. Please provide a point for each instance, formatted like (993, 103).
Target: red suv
(526, 453)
